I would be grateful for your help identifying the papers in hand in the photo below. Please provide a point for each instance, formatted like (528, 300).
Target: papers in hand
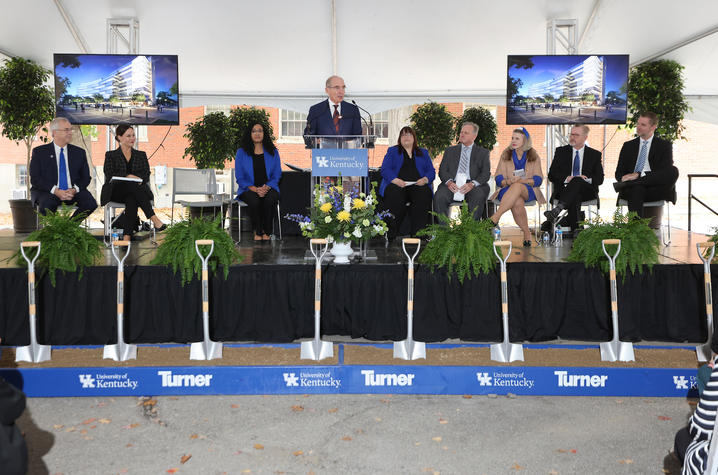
(520, 173)
(125, 178)
(409, 183)
(460, 181)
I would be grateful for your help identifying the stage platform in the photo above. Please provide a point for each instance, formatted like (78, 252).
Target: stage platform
(558, 310)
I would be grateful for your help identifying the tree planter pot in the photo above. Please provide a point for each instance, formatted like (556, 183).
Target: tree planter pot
(24, 219)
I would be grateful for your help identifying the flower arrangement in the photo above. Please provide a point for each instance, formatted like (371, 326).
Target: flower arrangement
(341, 216)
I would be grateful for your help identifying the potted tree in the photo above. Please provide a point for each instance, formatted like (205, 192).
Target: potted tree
(434, 127)
(487, 126)
(26, 105)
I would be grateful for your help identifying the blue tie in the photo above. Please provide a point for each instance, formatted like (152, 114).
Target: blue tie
(576, 165)
(641, 162)
(62, 179)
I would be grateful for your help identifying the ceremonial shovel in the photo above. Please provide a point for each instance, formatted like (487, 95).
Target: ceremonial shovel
(317, 349)
(704, 351)
(207, 349)
(506, 351)
(615, 349)
(120, 351)
(409, 349)
(34, 352)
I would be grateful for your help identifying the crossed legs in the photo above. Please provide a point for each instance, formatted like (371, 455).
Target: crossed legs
(514, 200)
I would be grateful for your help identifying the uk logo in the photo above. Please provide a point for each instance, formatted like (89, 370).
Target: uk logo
(484, 379)
(291, 379)
(322, 161)
(681, 382)
(87, 380)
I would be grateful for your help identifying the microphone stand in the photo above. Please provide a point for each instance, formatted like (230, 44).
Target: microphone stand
(369, 127)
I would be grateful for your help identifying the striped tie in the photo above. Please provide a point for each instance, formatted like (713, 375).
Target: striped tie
(464, 161)
(641, 158)
(335, 118)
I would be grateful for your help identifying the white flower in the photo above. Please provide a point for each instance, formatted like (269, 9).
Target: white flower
(347, 235)
(330, 239)
(365, 222)
(327, 219)
(369, 200)
(357, 232)
(348, 204)
(378, 228)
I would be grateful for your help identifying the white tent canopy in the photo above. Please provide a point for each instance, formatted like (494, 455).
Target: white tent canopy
(391, 53)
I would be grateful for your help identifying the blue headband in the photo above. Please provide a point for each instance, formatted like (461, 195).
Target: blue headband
(526, 132)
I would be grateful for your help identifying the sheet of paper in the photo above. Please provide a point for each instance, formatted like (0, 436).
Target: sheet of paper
(460, 181)
(124, 178)
(520, 173)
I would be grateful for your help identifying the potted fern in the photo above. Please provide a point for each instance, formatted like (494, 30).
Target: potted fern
(66, 245)
(463, 246)
(639, 244)
(177, 249)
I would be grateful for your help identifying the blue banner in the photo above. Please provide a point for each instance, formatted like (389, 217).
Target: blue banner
(340, 161)
(346, 379)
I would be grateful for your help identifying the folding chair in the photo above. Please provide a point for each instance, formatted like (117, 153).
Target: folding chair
(190, 181)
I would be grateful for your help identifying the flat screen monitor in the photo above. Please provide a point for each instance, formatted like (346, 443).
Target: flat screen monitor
(108, 89)
(566, 89)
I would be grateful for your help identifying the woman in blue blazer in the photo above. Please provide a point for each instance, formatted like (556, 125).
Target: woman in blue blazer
(258, 170)
(407, 177)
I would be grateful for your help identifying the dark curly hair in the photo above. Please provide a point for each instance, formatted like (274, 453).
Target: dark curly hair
(248, 145)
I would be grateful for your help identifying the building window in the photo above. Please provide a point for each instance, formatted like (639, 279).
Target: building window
(225, 109)
(381, 125)
(292, 123)
(141, 133)
(21, 175)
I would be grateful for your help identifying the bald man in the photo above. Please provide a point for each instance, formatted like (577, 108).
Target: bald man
(334, 116)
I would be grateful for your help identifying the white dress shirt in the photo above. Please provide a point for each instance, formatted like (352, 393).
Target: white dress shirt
(331, 108)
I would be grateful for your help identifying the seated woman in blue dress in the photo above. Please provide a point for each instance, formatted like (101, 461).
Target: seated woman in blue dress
(407, 176)
(518, 181)
(258, 170)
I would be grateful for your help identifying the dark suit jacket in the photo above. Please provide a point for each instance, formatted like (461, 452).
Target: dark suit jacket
(660, 156)
(562, 167)
(43, 167)
(116, 165)
(479, 165)
(320, 120)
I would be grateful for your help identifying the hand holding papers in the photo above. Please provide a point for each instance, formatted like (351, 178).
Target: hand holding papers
(460, 181)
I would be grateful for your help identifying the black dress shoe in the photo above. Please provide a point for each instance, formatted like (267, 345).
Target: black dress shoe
(552, 214)
(546, 226)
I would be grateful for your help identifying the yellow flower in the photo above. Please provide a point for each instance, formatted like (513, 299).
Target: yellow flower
(326, 207)
(343, 216)
(358, 204)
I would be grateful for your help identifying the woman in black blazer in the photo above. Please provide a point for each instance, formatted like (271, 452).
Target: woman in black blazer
(128, 162)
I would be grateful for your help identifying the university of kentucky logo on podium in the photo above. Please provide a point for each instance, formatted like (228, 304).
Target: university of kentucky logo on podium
(340, 161)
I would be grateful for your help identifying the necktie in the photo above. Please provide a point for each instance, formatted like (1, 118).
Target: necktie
(335, 116)
(62, 172)
(464, 161)
(641, 162)
(576, 165)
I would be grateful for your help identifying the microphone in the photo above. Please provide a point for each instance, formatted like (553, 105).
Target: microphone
(370, 125)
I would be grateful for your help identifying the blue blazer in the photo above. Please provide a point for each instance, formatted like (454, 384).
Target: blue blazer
(393, 160)
(320, 120)
(244, 170)
(43, 167)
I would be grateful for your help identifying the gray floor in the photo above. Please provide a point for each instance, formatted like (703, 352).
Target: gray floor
(353, 434)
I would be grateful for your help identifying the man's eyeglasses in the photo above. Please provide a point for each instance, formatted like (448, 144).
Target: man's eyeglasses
(337, 87)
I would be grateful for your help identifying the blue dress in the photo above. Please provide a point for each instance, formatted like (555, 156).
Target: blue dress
(519, 164)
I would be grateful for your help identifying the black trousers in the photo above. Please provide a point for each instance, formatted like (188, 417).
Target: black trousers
(571, 195)
(653, 186)
(134, 197)
(45, 200)
(395, 200)
(261, 210)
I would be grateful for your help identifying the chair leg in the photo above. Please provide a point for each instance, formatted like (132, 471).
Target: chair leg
(279, 221)
(668, 212)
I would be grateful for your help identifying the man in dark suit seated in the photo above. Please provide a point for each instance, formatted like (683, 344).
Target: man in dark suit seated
(464, 172)
(59, 172)
(334, 116)
(645, 170)
(576, 173)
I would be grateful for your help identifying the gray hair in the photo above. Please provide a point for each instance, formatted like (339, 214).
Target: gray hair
(473, 125)
(57, 122)
(329, 80)
(584, 128)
